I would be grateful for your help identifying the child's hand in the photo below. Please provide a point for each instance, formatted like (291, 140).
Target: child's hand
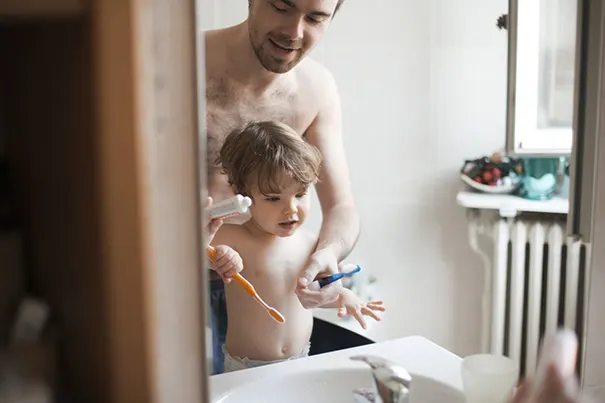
(227, 262)
(351, 304)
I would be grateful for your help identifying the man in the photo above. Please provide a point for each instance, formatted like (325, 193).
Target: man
(257, 70)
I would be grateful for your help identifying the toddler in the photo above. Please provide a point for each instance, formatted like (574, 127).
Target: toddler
(270, 163)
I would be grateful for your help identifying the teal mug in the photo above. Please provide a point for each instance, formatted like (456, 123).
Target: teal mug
(540, 177)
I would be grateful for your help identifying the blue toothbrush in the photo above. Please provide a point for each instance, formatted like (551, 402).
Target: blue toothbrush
(335, 277)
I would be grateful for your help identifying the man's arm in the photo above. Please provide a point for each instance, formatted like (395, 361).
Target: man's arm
(340, 227)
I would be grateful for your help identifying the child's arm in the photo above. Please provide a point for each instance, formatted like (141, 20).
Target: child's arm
(351, 304)
(227, 261)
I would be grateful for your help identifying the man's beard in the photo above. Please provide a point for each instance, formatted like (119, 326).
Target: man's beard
(268, 62)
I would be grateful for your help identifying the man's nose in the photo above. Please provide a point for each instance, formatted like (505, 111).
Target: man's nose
(294, 29)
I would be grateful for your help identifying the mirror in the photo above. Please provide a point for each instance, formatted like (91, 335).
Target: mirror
(425, 85)
(421, 88)
(541, 76)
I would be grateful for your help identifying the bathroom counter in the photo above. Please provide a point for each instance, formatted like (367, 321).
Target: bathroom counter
(417, 354)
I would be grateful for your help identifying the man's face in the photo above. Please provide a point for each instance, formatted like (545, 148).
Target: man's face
(282, 32)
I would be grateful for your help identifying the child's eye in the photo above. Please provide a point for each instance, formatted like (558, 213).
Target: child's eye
(272, 199)
(301, 195)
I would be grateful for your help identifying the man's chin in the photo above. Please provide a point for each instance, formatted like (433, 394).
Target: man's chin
(277, 67)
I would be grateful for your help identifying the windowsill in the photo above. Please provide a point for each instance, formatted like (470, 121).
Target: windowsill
(511, 206)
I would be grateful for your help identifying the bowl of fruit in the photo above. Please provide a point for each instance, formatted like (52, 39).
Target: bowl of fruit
(496, 174)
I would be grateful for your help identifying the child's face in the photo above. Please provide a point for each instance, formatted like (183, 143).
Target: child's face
(281, 213)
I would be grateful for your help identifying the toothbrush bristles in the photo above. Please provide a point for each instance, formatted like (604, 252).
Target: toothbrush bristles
(275, 314)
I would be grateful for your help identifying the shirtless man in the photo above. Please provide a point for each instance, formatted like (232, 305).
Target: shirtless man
(255, 71)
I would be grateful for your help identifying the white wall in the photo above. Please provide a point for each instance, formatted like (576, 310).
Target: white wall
(423, 88)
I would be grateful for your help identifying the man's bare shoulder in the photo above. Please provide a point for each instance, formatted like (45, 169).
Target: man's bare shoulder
(215, 43)
(314, 75)
(214, 38)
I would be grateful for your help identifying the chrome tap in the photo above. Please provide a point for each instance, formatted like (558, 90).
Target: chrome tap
(392, 383)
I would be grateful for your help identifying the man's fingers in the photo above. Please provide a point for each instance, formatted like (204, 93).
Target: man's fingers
(308, 276)
(329, 293)
(310, 299)
(559, 390)
(522, 393)
(342, 311)
(213, 228)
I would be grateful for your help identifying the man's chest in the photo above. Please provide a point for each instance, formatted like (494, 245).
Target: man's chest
(229, 110)
(222, 120)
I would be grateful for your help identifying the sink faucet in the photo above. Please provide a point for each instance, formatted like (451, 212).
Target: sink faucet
(392, 383)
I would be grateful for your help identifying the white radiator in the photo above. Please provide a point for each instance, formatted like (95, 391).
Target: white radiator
(536, 287)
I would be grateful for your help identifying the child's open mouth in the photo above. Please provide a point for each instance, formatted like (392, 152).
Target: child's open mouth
(288, 224)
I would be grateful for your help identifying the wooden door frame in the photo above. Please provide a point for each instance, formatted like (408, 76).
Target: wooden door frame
(149, 176)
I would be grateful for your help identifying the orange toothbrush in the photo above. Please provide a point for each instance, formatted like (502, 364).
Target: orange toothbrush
(249, 288)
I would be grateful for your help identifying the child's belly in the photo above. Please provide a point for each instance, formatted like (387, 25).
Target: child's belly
(252, 333)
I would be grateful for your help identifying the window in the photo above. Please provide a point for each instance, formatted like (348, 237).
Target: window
(542, 48)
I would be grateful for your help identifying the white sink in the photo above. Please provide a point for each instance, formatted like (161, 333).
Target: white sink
(332, 377)
(332, 386)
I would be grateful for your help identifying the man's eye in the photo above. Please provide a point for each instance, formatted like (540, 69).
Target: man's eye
(313, 20)
(279, 10)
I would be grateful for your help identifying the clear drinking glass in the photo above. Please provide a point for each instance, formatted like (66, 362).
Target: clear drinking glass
(488, 378)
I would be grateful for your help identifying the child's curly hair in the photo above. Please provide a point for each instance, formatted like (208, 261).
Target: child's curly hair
(262, 153)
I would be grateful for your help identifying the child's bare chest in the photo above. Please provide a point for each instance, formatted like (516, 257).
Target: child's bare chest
(279, 264)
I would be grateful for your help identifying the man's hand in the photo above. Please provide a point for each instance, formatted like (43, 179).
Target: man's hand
(227, 262)
(212, 226)
(554, 390)
(321, 264)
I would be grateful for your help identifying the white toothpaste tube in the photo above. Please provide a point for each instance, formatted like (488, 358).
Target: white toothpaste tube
(235, 205)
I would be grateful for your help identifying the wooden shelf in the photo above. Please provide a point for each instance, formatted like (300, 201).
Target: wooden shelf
(40, 8)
